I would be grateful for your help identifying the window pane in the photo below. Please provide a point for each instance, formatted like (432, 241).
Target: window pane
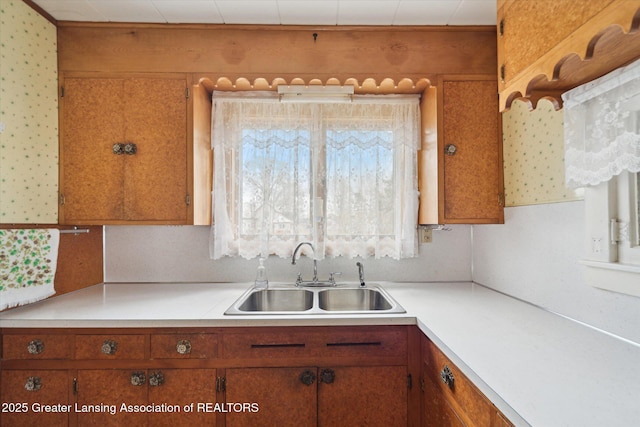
(275, 184)
(359, 180)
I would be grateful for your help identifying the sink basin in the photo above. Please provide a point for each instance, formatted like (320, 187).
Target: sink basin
(277, 300)
(290, 300)
(355, 299)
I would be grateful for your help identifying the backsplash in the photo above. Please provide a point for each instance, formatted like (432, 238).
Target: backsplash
(28, 116)
(181, 254)
(533, 145)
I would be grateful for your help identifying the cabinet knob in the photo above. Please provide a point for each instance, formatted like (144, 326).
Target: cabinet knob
(33, 384)
(156, 379)
(118, 149)
(130, 148)
(307, 377)
(450, 149)
(35, 346)
(138, 378)
(327, 376)
(447, 376)
(109, 347)
(183, 347)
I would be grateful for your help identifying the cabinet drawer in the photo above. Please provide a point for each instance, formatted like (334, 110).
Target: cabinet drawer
(111, 346)
(37, 346)
(465, 399)
(265, 345)
(389, 342)
(184, 346)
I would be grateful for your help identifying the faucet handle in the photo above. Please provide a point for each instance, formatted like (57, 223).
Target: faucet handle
(299, 279)
(332, 279)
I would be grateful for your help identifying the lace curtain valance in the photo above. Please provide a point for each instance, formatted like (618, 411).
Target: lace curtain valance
(340, 175)
(602, 128)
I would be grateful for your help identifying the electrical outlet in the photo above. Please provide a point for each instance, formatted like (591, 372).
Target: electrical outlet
(425, 235)
(596, 245)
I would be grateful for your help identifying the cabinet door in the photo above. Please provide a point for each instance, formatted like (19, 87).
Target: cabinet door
(362, 396)
(471, 150)
(436, 410)
(22, 389)
(282, 394)
(91, 175)
(101, 394)
(155, 178)
(180, 388)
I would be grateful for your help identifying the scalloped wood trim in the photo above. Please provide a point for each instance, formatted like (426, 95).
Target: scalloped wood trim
(367, 86)
(578, 59)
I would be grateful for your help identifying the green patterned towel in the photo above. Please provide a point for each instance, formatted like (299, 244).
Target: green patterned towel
(28, 260)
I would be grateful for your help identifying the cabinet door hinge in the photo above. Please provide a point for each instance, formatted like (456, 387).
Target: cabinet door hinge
(187, 199)
(221, 384)
(75, 386)
(61, 91)
(186, 92)
(409, 382)
(422, 384)
(501, 27)
(501, 200)
(61, 199)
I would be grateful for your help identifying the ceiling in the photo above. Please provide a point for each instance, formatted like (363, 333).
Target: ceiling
(277, 12)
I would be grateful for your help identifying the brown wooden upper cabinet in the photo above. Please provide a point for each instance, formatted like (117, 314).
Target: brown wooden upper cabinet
(546, 48)
(123, 150)
(461, 170)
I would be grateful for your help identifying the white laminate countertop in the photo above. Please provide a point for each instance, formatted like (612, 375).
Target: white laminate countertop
(539, 368)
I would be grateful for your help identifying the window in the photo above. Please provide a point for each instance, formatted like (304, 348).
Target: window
(602, 154)
(340, 175)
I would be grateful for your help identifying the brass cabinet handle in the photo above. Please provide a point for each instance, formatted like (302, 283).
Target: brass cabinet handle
(156, 379)
(183, 347)
(307, 377)
(327, 376)
(447, 376)
(109, 347)
(33, 384)
(138, 378)
(35, 346)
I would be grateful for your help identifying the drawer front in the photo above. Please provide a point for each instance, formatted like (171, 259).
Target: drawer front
(318, 342)
(267, 345)
(389, 342)
(111, 347)
(184, 346)
(464, 397)
(34, 346)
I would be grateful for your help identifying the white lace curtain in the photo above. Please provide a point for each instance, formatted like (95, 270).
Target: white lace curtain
(340, 175)
(602, 128)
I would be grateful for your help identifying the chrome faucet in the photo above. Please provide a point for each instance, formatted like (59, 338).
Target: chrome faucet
(315, 263)
(361, 273)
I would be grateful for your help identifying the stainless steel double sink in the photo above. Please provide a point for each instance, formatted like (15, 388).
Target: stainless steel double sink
(341, 299)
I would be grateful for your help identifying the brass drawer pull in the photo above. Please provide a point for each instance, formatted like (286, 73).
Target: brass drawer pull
(35, 346)
(109, 347)
(183, 347)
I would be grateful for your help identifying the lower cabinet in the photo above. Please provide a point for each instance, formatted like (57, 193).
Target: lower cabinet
(310, 396)
(253, 376)
(154, 397)
(449, 397)
(35, 397)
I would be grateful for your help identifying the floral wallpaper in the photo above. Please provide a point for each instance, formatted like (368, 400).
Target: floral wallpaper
(533, 144)
(28, 116)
